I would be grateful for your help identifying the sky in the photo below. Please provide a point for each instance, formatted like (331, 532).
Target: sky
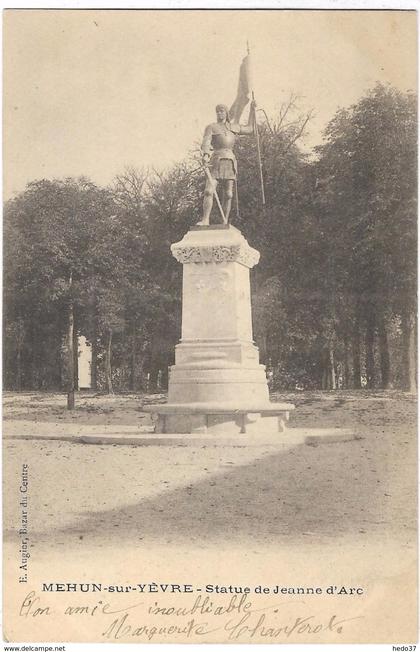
(91, 92)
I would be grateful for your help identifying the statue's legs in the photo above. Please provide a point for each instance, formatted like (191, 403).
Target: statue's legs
(208, 201)
(227, 197)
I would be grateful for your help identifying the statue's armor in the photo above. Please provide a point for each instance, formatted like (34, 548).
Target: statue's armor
(223, 138)
(219, 140)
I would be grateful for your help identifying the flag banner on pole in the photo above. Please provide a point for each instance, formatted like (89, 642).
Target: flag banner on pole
(243, 95)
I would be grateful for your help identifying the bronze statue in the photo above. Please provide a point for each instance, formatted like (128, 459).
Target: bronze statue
(220, 161)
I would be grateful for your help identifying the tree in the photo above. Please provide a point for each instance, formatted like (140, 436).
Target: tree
(334, 294)
(50, 230)
(367, 196)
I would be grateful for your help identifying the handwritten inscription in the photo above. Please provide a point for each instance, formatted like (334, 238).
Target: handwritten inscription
(236, 618)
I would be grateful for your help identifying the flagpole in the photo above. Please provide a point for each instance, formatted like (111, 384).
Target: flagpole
(258, 140)
(237, 197)
(259, 153)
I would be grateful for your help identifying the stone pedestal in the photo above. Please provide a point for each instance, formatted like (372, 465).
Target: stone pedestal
(217, 383)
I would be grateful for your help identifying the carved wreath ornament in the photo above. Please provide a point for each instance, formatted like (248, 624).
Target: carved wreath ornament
(217, 254)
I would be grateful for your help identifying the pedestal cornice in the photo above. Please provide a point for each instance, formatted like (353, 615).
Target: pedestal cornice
(215, 246)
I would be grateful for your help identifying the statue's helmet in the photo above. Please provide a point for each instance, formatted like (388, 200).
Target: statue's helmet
(225, 108)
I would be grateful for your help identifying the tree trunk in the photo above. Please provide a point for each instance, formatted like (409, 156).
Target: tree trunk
(355, 345)
(165, 374)
(370, 352)
(58, 368)
(346, 379)
(70, 353)
(324, 372)
(153, 376)
(331, 375)
(94, 361)
(133, 361)
(76, 358)
(328, 379)
(108, 367)
(19, 345)
(384, 354)
(19, 367)
(35, 348)
(409, 351)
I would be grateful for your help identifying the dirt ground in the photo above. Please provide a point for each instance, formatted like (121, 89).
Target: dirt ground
(340, 512)
(203, 495)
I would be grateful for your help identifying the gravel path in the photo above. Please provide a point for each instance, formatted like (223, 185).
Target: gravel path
(206, 495)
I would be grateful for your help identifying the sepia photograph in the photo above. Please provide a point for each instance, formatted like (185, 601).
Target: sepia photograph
(210, 327)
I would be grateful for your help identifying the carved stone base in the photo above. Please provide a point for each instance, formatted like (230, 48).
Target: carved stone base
(246, 384)
(217, 384)
(222, 418)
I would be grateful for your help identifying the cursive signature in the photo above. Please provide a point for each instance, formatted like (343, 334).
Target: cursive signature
(246, 623)
(236, 619)
(250, 626)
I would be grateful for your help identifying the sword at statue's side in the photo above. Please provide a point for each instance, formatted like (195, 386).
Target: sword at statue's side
(210, 178)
